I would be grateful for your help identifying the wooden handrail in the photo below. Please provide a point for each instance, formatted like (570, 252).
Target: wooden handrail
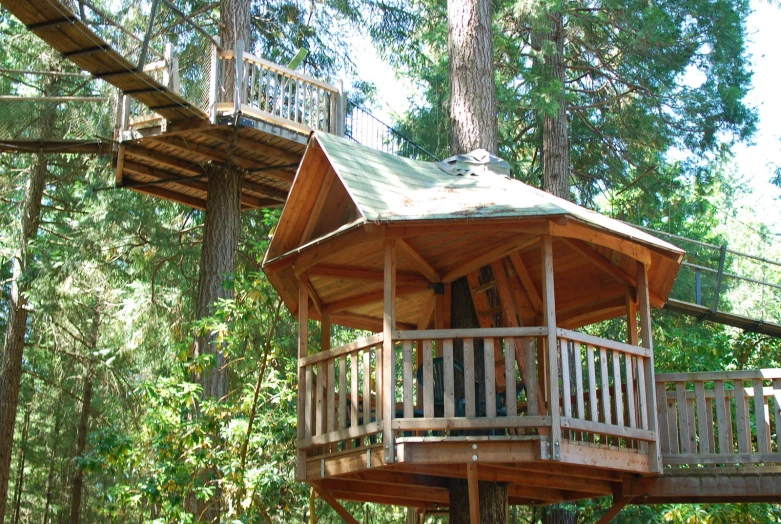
(231, 54)
(341, 350)
(603, 343)
(708, 376)
(442, 334)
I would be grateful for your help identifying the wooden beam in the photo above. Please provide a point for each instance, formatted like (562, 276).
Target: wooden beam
(418, 261)
(253, 146)
(388, 356)
(630, 248)
(172, 196)
(120, 165)
(601, 262)
(365, 274)
(314, 213)
(303, 351)
(526, 281)
(474, 493)
(157, 157)
(425, 315)
(618, 504)
(316, 302)
(631, 319)
(503, 250)
(338, 508)
(549, 319)
(369, 298)
(654, 450)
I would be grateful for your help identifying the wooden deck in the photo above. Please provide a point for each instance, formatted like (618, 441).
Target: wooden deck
(602, 419)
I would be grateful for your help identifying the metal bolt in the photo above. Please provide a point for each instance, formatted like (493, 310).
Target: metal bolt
(474, 446)
(474, 457)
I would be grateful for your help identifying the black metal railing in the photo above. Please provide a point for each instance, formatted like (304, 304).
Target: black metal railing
(366, 129)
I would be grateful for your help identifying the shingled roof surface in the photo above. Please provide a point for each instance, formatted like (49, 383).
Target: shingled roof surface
(389, 188)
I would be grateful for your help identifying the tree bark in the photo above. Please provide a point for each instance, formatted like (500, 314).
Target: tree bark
(473, 125)
(13, 345)
(555, 127)
(52, 456)
(78, 477)
(19, 488)
(473, 121)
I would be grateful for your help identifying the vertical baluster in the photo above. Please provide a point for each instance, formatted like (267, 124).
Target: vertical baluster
(510, 394)
(428, 380)
(683, 424)
(702, 419)
(447, 362)
(565, 378)
(605, 386)
(744, 434)
(330, 412)
(592, 384)
(630, 391)
(342, 392)
(618, 392)
(354, 390)
(297, 102)
(289, 102)
(763, 445)
(407, 378)
(580, 400)
(661, 410)
(490, 377)
(777, 404)
(308, 392)
(367, 389)
(672, 420)
(269, 81)
(723, 418)
(469, 378)
(710, 425)
(532, 389)
(319, 412)
(641, 391)
(690, 424)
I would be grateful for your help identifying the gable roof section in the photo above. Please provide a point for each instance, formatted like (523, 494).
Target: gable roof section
(388, 188)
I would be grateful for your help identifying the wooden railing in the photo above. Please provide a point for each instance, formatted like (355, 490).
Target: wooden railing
(463, 408)
(722, 417)
(340, 394)
(273, 93)
(605, 398)
(602, 396)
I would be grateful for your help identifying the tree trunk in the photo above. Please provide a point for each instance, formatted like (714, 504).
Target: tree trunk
(559, 514)
(78, 478)
(555, 127)
(13, 345)
(52, 456)
(19, 488)
(472, 92)
(473, 125)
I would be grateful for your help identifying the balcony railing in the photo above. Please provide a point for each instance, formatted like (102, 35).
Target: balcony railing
(720, 418)
(603, 398)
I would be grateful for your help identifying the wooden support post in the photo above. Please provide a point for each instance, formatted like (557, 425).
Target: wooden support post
(214, 85)
(618, 504)
(439, 318)
(631, 319)
(549, 319)
(474, 493)
(338, 508)
(654, 452)
(388, 357)
(303, 334)
(237, 92)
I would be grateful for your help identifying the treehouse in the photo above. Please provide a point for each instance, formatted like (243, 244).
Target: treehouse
(380, 243)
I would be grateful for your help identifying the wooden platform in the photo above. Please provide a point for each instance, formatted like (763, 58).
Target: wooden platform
(171, 165)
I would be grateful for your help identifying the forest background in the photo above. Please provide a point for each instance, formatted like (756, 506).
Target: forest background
(106, 428)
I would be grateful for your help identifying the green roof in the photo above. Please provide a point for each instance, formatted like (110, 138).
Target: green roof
(389, 188)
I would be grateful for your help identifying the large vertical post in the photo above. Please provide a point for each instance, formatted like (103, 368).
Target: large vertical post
(654, 453)
(549, 319)
(303, 335)
(388, 357)
(239, 89)
(214, 85)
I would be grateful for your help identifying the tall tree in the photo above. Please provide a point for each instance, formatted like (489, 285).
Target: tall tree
(473, 125)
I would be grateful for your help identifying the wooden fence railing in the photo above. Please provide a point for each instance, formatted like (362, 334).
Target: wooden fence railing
(341, 394)
(274, 93)
(722, 417)
(604, 395)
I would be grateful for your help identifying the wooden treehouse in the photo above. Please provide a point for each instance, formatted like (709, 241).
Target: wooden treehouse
(374, 241)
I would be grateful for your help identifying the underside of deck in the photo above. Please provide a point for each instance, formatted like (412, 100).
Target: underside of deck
(171, 163)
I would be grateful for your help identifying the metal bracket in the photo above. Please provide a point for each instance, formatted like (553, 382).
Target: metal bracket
(322, 468)
(556, 450)
(368, 458)
(438, 287)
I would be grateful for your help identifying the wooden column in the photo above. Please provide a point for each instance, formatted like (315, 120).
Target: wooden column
(474, 493)
(654, 452)
(388, 360)
(303, 334)
(631, 318)
(549, 319)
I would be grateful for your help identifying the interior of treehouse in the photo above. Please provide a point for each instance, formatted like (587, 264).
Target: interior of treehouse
(475, 294)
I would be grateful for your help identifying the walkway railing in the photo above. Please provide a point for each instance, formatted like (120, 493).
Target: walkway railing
(720, 418)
